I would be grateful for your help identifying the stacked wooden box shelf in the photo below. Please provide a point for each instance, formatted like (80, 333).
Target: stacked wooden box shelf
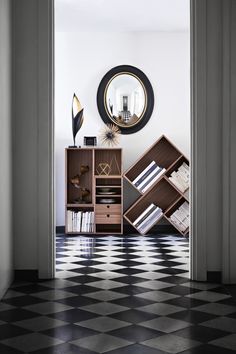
(162, 193)
(106, 191)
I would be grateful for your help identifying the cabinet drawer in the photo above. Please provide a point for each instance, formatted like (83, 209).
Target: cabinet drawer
(108, 209)
(108, 218)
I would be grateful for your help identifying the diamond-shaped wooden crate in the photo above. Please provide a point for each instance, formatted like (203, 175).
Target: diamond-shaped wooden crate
(163, 192)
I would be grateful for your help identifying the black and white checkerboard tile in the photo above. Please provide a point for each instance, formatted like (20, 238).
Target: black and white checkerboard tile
(119, 295)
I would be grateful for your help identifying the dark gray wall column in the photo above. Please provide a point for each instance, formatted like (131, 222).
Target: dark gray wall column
(33, 138)
(213, 138)
(6, 263)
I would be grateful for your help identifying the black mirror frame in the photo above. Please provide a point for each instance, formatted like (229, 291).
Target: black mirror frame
(149, 96)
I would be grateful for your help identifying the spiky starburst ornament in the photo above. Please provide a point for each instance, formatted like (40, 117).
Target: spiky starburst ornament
(110, 135)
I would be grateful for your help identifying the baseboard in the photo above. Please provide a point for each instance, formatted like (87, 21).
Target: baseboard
(60, 229)
(6, 283)
(128, 229)
(214, 277)
(30, 275)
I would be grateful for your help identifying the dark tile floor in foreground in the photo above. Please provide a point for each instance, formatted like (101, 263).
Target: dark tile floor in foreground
(119, 295)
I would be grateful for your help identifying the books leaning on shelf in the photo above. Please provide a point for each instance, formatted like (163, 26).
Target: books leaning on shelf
(148, 218)
(180, 217)
(148, 176)
(80, 221)
(180, 178)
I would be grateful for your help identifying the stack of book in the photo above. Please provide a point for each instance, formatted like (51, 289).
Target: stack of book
(148, 176)
(180, 217)
(80, 221)
(148, 218)
(180, 178)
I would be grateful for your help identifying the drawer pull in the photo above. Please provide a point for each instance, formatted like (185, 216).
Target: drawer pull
(108, 215)
(108, 206)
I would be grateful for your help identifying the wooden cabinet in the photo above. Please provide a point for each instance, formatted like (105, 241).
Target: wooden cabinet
(95, 203)
(162, 190)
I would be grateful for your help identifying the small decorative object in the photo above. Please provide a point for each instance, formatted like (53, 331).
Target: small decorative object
(115, 166)
(104, 168)
(77, 117)
(110, 135)
(75, 181)
(107, 200)
(90, 140)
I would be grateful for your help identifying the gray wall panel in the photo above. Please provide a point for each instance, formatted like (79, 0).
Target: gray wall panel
(5, 146)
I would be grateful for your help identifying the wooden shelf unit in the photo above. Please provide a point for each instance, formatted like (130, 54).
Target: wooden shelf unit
(107, 216)
(162, 192)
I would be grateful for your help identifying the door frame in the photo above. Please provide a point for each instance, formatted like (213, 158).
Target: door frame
(46, 182)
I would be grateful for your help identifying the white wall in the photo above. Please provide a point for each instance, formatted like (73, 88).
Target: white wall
(82, 59)
(6, 264)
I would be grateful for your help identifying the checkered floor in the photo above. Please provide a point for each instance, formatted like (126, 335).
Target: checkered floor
(119, 295)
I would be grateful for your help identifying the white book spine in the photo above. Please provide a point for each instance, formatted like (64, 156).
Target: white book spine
(149, 177)
(143, 172)
(177, 184)
(145, 226)
(154, 180)
(82, 222)
(69, 220)
(80, 217)
(143, 214)
(92, 214)
(87, 222)
(178, 224)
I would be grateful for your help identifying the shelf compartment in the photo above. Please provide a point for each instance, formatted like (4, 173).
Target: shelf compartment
(162, 195)
(111, 157)
(171, 210)
(162, 152)
(108, 228)
(117, 199)
(74, 159)
(109, 193)
(175, 167)
(72, 228)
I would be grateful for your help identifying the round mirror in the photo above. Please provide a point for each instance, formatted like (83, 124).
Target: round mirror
(125, 98)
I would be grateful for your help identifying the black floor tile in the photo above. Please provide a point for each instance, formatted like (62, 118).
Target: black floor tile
(7, 350)
(136, 349)
(135, 333)
(16, 315)
(134, 316)
(208, 349)
(201, 333)
(74, 315)
(66, 348)
(9, 331)
(192, 316)
(69, 332)
(21, 301)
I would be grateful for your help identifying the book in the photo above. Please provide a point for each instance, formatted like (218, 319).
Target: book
(144, 173)
(83, 222)
(155, 213)
(145, 216)
(92, 221)
(143, 213)
(69, 221)
(156, 170)
(181, 217)
(153, 180)
(151, 220)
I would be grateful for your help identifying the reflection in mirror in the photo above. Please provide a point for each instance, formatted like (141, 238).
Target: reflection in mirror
(125, 99)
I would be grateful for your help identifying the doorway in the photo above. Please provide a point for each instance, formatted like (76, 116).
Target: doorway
(162, 52)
